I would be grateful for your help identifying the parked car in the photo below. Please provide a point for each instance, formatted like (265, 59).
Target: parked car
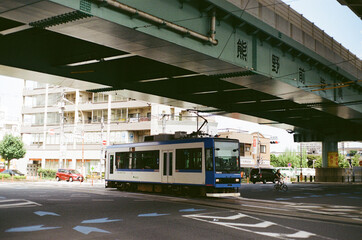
(68, 175)
(13, 172)
(262, 175)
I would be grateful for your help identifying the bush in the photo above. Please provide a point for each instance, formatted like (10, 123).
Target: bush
(19, 177)
(8, 177)
(47, 173)
(5, 176)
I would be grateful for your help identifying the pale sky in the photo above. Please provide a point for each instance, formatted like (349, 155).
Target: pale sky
(11, 90)
(336, 20)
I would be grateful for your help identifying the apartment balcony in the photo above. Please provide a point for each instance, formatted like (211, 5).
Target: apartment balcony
(85, 106)
(131, 124)
(40, 91)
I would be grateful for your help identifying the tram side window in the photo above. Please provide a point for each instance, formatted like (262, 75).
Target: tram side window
(122, 160)
(189, 159)
(145, 160)
(209, 160)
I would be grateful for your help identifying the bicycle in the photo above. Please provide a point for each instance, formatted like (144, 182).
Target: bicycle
(280, 186)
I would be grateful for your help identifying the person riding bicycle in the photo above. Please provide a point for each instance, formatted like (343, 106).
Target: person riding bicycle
(278, 177)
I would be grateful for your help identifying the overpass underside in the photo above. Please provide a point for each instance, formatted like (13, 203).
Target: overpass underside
(225, 62)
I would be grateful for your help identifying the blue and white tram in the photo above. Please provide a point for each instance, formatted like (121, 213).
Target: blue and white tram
(205, 165)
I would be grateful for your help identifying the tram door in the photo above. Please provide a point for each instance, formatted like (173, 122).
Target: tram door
(109, 165)
(167, 167)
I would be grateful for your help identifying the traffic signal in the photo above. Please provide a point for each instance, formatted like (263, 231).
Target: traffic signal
(274, 142)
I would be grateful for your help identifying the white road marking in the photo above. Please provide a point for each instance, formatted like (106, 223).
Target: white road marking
(264, 224)
(245, 226)
(239, 215)
(14, 203)
(299, 234)
(59, 199)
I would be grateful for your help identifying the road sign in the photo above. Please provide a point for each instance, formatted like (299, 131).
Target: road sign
(289, 164)
(333, 159)
(104, 142)
(51, 131)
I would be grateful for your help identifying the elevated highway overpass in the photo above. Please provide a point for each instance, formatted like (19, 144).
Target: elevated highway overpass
(254, 60)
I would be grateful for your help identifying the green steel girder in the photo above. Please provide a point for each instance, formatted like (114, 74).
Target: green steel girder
(47, 49)
(268, 52)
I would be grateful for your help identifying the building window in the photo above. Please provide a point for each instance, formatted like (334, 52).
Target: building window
(242, 149)
(98, 114)
(53, 118)
(133, 117)
(53, 99)
(100, 98)
(118, 115)
(39, 101)
(262, 149)
(189, 159)
(38, 119)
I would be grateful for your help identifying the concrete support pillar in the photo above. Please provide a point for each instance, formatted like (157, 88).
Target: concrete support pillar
(328, 146)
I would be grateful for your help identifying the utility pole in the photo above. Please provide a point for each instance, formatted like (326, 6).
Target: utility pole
(61, 112)
(102, 145)
(258, 150)
(301, 162)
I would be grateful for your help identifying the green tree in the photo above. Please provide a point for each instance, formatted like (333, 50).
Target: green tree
(11, 148)
(274, 161)
(288, 157)
(355, 160)
(315, 159)
(342, 161)
(318, 162)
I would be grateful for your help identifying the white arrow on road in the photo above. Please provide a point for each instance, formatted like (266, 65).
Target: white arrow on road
(101, 220)
(87, 230)
(30, 228)
(152, 215)
(191, 210)
(41, 213)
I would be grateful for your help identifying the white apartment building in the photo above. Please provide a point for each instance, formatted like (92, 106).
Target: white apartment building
(91, 122)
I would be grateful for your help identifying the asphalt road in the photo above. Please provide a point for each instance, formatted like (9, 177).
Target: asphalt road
(331, 193)
(62, 210)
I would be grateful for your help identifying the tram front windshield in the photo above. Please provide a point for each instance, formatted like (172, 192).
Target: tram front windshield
(227, 157)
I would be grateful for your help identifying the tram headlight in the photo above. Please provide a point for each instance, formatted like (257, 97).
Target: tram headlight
(237, 180)
(217, 180)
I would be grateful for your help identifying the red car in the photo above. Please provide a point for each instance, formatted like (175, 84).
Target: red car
(69, 175)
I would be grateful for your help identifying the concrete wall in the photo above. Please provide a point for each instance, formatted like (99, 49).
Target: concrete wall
(339, 174)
